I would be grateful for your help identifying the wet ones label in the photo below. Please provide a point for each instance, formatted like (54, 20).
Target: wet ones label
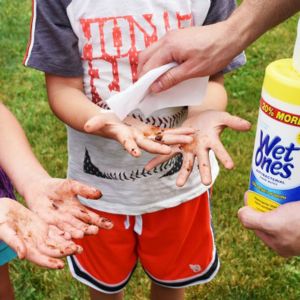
(275, 177)
(279, 115)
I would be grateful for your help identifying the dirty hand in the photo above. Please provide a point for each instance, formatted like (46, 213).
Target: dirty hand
(55, 201)
(209, 125)
(31, 237)
(135, 135)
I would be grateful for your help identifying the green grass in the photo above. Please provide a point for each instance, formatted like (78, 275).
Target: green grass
(249, 270)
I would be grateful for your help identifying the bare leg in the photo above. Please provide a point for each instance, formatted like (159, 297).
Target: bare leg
(162, 293)
(6, 289)
(95, 295)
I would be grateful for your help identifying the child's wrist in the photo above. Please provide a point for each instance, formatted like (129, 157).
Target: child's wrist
(31, 181)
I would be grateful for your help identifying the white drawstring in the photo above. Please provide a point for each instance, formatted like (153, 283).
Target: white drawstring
(127, 223)
(138, 226)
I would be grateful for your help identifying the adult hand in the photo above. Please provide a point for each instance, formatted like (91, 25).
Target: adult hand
(31, 237)
(55, 201)
(199, 51)
(279, 229)
(135, 135)
(209, 125)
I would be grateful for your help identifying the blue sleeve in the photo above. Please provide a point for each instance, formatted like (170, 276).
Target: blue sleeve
(53, 46)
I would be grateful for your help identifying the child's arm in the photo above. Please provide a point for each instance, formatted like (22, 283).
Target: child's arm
(50, 198)
(69, 103)
(209, 119)
(16, 157)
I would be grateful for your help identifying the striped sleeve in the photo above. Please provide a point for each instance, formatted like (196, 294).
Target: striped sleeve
(53, 46)
(220, 10)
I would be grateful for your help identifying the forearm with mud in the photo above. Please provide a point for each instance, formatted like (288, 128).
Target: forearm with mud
(253, 18)
(16, 156)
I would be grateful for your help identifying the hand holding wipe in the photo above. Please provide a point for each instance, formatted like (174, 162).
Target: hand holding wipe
(275, 178)
(137, 96)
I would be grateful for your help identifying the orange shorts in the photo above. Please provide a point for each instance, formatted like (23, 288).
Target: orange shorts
(175, 247)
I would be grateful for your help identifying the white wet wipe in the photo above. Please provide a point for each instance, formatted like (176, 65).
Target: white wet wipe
(137, 96)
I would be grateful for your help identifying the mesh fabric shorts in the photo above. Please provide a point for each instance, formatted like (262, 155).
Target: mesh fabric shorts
(175, 246)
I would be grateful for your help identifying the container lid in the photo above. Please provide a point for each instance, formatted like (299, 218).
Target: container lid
(282, 81)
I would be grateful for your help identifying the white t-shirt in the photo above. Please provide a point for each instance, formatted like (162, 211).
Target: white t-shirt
(100, 40)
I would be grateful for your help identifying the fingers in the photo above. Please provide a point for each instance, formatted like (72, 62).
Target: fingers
(236, 123)
(281, 245)
(174, 139)
(181, 130)
(156, 161)
(266, 238)
(204, 166)
(43, 260)
(117, 130)
(81, 226)
(129, 144)
(104, 223)
(255, 220)
(87, 229)
(73, 231)
(222, 154)
(172, 136)
(55, 249)
(84, 190)
(68, 247)
(186, 169)
(152, 147)
(146, 63)
(90, 217)
(171, 78)
(11, 238)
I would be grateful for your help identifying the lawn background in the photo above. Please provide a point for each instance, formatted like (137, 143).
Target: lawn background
(249, 270)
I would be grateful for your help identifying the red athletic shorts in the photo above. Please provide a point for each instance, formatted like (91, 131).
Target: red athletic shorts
(175, 247)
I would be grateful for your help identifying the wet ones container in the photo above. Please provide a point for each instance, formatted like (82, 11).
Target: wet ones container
(275, 172)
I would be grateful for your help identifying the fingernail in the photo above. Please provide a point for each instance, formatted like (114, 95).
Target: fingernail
(229, 165)
(158, 138)
(107, 223)
(79, 249)
(156, 87)
(246, 122)
(105, 220)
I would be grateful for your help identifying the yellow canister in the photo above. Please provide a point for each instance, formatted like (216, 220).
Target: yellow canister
(275, 172)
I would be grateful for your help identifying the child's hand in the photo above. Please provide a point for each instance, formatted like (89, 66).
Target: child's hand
(31, 237)
(135, 135)
(209, 125)
(55, 201)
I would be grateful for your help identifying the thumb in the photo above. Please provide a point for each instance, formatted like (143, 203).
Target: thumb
(236, 123)
(95, 123)
(252, 219)
(170, 78)
(11, 238)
